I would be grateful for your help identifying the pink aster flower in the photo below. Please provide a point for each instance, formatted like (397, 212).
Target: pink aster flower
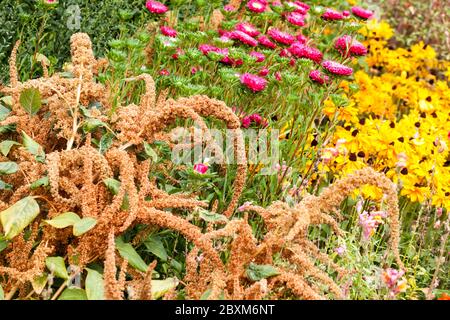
(200, 168)
(346, 13)
(362, 13)
(331, 14)
(207, 48)
(168, 31)
(303, 51)
(285, 53)
(246, 122)
(257, 6)
(319, 77)
(156, 7)
(302, 4)
(247, 28)
(278, 76)
(295, 18)
(258, 55)
(229, 8)
(301, 38)
(280, 36)
(337, 68)
(243, 37)
(253, 82)
(256, 118)
(353, 46)
(263, 72)
(264, 41)
(164, 72)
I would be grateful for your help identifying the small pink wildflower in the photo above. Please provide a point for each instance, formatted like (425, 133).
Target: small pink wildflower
(362, 13)
(278, 76)
(337, 68)
(200, 168)
(229, 8)
(156, 7)
(245, 206)
(168, 31)
(164, 72)
(393, 280)
(370, 222)
(253, 82)
(341, 250)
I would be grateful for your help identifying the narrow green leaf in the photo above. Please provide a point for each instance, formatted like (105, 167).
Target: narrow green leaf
(42, 182)
(83, 226)
(94, 285)
(257, 272)
(2, 294)
(211, 216)
(154, 244)
(30, 100)
(127, 252)
(57, 266)
(161, 287)
(64, 220)
(5, 146)
(4, 112)
(92, 124)
(3, 245)
(73, 294)
(8, 167)
(105, 142)
(5, 186)
(33, 147)
(19, 216)
(113, 185)
(8, 100)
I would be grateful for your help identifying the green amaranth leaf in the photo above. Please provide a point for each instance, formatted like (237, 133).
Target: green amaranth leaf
(127, 252)
(105, 142)
(113, 185)
(42, 182)
(211, 216)
(33, 147)
(57, 266)
(154, 244)
(73, 294)
(257, 272)
(2, 294)
(161, 287)
(5, 186)
(3, 245)
(8, 167)
(94, 285)
(64, 220)
(150, 152)
(5, 146)
(39, 283)
(83, 226)
(19, 216)
(30, 100)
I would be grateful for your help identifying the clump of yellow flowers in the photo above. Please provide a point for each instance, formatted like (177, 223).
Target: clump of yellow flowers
(398, 121)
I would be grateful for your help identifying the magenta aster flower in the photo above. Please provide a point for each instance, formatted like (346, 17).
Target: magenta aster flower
(353, 46)
(331, 14)
(346, 13)
(256, 118)
(229, 8)
(168, 31)
(278, 76)
(295, 18)
(263, 72)
(264, 41)
(302, 4)
(246, 122)
(253, 82)
(362, 13)
(337, 68)
(207, 48)
(285, 53)
(301, 38)
(247, 28)
(304, 51)
(319, 77)
(258, 55)
(156, 7)
(164, 72)
(297, 7)
(243, 37)
(280, 36)
(257, 6)
(200, 168)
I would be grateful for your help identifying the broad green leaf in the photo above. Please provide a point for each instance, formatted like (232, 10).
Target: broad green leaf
(57, 266)
(39, 283)
(211, 216)
(105, 142)
(257, 272)
(127, 252)
(73, 294)
(113, 185)
(30, 100)
(4, 112)
(154, 244)
(92, 124)
(3, 245)
(5, 186)
(2, 294)
(19, 216)
(150, 152)
(83, 226)
(5, 146)
(8, 100)
(161, 287)
(8, 167)
(94, 285)
(206, 294)
(42, 182)
(33, 147)
(64, 220)
(41, 58)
